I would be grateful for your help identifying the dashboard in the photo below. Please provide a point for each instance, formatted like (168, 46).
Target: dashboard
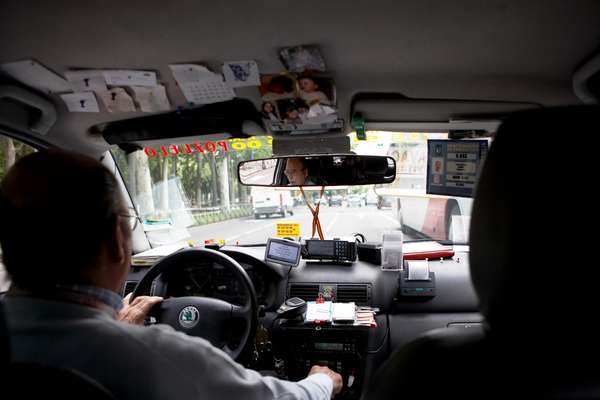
(356, 352)
(361, 282)
(214, 280)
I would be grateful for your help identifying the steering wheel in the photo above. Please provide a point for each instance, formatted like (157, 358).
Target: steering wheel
(205, 317)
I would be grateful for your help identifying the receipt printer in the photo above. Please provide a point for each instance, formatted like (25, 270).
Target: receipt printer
(416, 280)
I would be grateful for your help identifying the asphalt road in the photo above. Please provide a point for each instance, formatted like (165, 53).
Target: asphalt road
(335, 221)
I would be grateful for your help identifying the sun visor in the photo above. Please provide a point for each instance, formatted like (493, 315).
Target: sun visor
(24, 110)
(408, 113)
(234, 118)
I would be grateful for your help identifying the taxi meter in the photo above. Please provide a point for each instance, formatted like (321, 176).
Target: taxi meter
(453, 166)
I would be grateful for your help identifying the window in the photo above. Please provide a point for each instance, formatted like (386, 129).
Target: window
(184, 190)
(11, 150)
(189, 191)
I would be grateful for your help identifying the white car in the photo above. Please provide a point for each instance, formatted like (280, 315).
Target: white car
(268, 202)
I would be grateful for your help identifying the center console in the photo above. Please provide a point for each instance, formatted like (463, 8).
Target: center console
(343, 349)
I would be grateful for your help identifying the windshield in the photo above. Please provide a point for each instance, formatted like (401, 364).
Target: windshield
(189, 191)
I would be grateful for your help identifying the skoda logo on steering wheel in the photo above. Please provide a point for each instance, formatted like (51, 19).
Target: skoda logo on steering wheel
(189, 317)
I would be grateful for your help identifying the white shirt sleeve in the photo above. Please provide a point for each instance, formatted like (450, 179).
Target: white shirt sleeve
(213, 374)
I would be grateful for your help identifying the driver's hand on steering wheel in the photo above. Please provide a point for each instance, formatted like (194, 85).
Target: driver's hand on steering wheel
(136, 312)
(335, 377)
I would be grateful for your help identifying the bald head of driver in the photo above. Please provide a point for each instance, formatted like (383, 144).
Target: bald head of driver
(63, 222)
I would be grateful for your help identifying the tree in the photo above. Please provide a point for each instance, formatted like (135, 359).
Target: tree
(224, 175)
(142, 183)
(213, 179)
(164, 190)
(198, 181)
(11, 151)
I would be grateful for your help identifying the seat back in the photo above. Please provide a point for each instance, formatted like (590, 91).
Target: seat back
(4, 339)
(533, 267)
(34, 381)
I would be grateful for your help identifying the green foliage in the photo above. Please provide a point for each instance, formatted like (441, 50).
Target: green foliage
(195, 172)
(211, 217)
(21, 150)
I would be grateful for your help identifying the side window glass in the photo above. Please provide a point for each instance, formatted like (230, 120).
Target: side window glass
(11, 150)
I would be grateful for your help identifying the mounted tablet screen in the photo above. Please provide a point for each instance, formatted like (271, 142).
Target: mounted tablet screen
(282, 251)
(453, 166)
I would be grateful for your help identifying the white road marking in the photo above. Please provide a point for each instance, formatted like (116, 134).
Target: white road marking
(395, 221)
(333, 221)
(251, 231)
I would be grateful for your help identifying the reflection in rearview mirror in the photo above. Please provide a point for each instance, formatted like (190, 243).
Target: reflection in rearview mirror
(321, 170)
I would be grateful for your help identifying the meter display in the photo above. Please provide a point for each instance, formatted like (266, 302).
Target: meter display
(453, 166)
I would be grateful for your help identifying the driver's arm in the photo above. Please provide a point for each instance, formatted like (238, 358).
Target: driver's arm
(193, 364)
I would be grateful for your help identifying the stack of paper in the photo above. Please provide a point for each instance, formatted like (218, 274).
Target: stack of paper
(344, 312)
(150, 257)
(365, 316)
(318, 312)
(423, 250)
(340, 313)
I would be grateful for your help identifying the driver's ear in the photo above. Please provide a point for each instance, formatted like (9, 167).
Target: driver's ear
(117, 244)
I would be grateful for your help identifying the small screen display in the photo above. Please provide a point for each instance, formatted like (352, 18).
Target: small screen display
(453, 166)
(329, 346)
(321, 248)
(284, 252)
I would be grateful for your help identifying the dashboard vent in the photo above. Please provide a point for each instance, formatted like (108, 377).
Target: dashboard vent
(306, 292)
(360, 294)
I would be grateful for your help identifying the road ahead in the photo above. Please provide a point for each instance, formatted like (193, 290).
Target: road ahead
(335, 221)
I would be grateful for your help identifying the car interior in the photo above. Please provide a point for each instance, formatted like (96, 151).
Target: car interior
(480, 122)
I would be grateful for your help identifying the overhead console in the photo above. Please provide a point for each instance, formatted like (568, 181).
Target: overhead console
(394, 111)
(24, 110)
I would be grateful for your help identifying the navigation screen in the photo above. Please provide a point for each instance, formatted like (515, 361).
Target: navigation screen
(453, 166)
(283, 252)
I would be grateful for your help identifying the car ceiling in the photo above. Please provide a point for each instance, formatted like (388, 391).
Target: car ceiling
(494, 50)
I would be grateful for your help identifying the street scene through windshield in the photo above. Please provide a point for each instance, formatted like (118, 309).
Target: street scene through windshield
(190, 192)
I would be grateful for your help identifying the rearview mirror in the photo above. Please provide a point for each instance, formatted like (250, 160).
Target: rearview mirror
(318, 170)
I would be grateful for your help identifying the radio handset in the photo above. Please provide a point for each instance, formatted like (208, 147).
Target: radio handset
(292, 308)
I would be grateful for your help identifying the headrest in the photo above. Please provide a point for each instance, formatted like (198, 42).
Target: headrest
(534, 223)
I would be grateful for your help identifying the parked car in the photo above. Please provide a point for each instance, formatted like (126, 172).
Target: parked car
(335, 200)
(371, 198)
(354, 200)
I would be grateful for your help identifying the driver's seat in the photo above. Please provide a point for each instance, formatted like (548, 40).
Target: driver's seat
(533, 264)
(29, 381)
